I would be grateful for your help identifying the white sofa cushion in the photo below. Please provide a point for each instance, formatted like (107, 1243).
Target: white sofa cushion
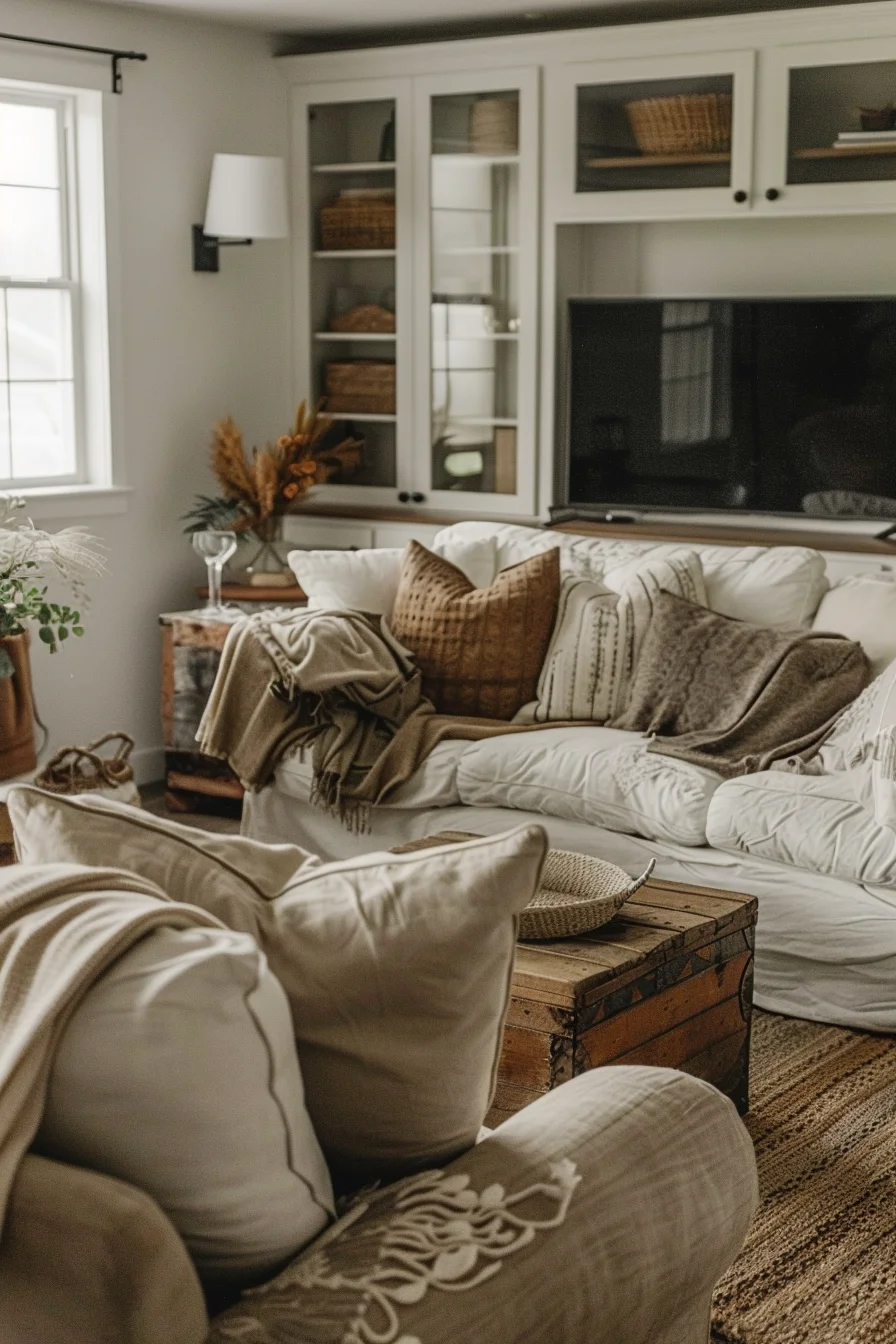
(814, 822)
(778, 586)
(602, 776)
(367, 580)
(178, 1073)
(863, 608)
(598, 635)
(434, 784)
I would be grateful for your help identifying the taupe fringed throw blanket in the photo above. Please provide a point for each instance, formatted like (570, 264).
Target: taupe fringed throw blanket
(337, 682)
(734, 697)
(61, 926)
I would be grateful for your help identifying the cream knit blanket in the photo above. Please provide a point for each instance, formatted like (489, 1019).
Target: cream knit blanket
(61, 926)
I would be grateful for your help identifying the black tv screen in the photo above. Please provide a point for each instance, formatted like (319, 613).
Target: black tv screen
(759, 405)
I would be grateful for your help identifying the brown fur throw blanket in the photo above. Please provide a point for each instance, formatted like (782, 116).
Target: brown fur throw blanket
(735, 697)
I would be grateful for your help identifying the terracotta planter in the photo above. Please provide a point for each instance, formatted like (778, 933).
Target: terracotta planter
(17, 749)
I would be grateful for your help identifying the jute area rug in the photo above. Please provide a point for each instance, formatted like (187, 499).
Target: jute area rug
(819, 1265)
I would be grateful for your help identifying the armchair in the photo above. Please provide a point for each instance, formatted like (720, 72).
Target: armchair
(666, 1192)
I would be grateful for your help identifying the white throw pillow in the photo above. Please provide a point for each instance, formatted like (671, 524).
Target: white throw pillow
(368, 580)
(598, 634)
(178, 1073)
(397, 969)
(226, 874)
(355, 580)
(601, 776)
(778, 586)
(863, 609)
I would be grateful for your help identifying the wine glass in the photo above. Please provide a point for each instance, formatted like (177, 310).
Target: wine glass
(216, 547)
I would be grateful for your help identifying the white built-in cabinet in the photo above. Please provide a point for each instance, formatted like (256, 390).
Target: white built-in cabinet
(493, 235)
(795, 115)
(460, 154)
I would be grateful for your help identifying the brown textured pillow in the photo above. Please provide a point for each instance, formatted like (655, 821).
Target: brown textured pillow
(480, 649)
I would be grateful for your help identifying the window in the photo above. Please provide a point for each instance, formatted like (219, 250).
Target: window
(44, 400)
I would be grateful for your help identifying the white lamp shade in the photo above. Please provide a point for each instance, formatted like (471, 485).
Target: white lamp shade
(247, 197)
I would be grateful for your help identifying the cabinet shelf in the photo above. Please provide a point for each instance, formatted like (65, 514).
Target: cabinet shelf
(499, 422)
(847, 152)
(477, 251)
(353, 253)
(355, 336)
(471, 160)
(363, 417)
(656, 160)
(371, 166)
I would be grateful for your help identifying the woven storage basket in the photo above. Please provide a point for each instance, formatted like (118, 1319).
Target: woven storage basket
(361, 385)
(76, 770)
(364, 317)
(689, 123)
(576, 894)
(357, 223)
(495, 126)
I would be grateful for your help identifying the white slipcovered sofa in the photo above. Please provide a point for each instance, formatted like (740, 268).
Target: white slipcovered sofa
(810, 847)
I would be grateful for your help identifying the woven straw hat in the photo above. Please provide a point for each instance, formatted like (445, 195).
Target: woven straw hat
(577, 893)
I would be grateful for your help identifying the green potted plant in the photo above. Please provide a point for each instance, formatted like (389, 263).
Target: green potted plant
(29, 560)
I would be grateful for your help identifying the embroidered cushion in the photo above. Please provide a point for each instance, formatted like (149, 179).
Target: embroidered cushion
(598, 635)
(178, 1073)
(480, 650)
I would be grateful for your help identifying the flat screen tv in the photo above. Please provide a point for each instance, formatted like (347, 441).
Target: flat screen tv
(756, 405)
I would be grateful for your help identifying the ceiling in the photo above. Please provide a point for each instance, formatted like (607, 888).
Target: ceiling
(336, 22)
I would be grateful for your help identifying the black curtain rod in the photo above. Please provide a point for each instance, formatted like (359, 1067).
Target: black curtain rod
(113, 53)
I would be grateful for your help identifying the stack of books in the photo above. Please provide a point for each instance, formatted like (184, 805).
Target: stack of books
(847, 138)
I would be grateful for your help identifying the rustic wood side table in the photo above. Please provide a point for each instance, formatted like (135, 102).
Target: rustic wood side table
(668, 982)
(191, 651)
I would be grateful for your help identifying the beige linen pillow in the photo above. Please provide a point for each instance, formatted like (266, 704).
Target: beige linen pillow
(227, 875)
(480, 649)
(397, 967)
(598, 636)
(178, 1073)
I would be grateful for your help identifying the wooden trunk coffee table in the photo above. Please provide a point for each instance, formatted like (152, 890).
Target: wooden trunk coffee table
(669, 981)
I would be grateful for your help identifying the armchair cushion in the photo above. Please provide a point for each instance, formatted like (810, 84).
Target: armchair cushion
(639, 1188)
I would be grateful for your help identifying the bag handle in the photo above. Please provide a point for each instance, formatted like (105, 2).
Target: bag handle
(63, 771)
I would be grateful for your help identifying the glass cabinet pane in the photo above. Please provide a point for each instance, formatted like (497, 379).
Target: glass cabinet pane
(842, 123)
(657, 134)
(352, 184)
(474, 305)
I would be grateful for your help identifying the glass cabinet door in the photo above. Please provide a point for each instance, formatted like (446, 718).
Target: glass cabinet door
(478, 289)
(829, 125)
(639, 138)
(355, 281)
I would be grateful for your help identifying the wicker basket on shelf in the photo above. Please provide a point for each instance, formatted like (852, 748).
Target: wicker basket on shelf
(494, 126)
(357, 222)
(364, 386)
(689, 123)
(364, 318)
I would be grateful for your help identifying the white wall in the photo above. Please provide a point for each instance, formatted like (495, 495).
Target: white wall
(193, 348)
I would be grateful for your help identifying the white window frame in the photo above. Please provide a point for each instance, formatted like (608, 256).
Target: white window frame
(85, 143)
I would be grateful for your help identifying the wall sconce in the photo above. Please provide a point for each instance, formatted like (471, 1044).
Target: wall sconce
(246, 200)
